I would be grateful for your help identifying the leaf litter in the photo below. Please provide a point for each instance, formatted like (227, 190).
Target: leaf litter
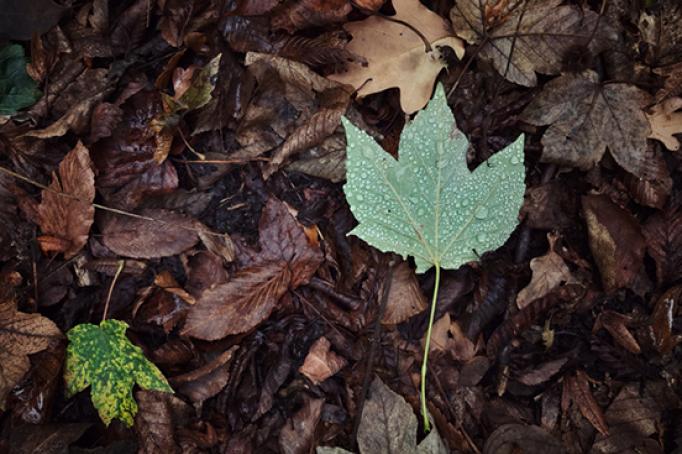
(178, 167)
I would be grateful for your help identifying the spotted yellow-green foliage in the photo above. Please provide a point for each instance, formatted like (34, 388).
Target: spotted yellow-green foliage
(428, 204)
(102, 357)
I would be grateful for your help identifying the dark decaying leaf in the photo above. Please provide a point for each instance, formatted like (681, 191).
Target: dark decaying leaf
(405, 297)
(615, 240)
(533, 36)
(542, 373)
(586, 117)
(296, 436)
(154, 422)
(632, 419)
(206, 381)
(19, 20)
(663, 233)
(295, 15)
(617, 325)
(653, 190)
(46, 438)
(105, 117)
(242, 303)
(168, 234)
(660, 30)
(321, 362)
(21, 334)
(662, 320)
(130, 27)
(325, 49)
(66, 212)
(510, 438)
(549, 206)
(577, 388)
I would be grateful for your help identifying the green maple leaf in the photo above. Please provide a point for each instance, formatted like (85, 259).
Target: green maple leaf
(428, 204)
(103, 357)
(17, 89)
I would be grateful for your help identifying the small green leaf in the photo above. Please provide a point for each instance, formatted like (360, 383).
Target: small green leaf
(428, 204)
(17, 89)
(103, 357)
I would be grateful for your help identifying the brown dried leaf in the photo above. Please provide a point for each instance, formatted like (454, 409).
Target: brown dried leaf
(66, 212)
(206, 381)
(660, 30)
(533, 36)
(321, 363)
(21, 334)
(130, 26)
(549, 206)
(665, 120)
(654, 190)
(50, 438)
(168, 234)
(673, 81)
(325, 49)
(297, 434)
(549, 271)
(155, 421)
(396, 56)
(580, 393)
(239, 305)
(295, 15)
(586, 117)
(617, 325)
(105, 117)
(512, 438)
(663, 233)
(541, 373)
(405, 297)
(615, 240)
(662, 320)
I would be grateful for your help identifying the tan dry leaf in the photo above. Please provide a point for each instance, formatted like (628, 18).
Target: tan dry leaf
(586, 117)
(447, 336)
(239, 305)
(167, 282)
(170, 233)
(20, 335)
(405, 297)
(549, 271)
(537, 33)
(66, 212)
(665, 120)
(321, 363)
(396, 56)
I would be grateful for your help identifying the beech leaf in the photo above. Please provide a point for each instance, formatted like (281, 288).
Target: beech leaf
(428, 204)
(103, 357)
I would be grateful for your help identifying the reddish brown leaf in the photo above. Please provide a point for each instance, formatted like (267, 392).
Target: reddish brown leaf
(155, 421)
(206, 381)
(616, 324)
(320, 362)
(253, 7)
(663, 233)
(295, 15)
(405, 297)
(66, 212)
(20, 335)
(541, 373)
(105, 117)
(654, 189)
(616, 241)
(580, 393)
(662, 320)
(325, 49)
(239, 305)
(297, 434)
(168, 234)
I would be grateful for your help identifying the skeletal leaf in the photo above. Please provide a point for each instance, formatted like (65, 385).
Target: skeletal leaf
(428, 204)
(103, 357)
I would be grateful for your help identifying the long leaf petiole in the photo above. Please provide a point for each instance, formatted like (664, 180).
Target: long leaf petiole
(427, 348)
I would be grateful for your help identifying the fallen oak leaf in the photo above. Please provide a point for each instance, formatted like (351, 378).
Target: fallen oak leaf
(66, 212)
(401, 51)
(21, 334)
(586, 117)
(665, 120)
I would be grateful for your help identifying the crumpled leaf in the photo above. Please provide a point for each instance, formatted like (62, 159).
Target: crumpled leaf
(17, 89)
(102, 357)
(586, 117)
(537, 33)
(663, 234)
(549, 271)
(170, 233)
(21, 334)
(665, 120)
(615, 240)
(405, 297)
(286, 260)
(396, 56)
(428, 204)
(321, 363)
(66, 212)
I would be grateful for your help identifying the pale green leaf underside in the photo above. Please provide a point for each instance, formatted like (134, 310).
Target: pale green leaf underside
(103, 357)
(428, 204)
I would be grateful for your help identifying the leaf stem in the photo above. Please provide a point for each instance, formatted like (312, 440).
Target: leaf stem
(121, 265)
(427, 348)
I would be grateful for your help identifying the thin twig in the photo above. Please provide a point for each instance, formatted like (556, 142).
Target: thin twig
(121, 265)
